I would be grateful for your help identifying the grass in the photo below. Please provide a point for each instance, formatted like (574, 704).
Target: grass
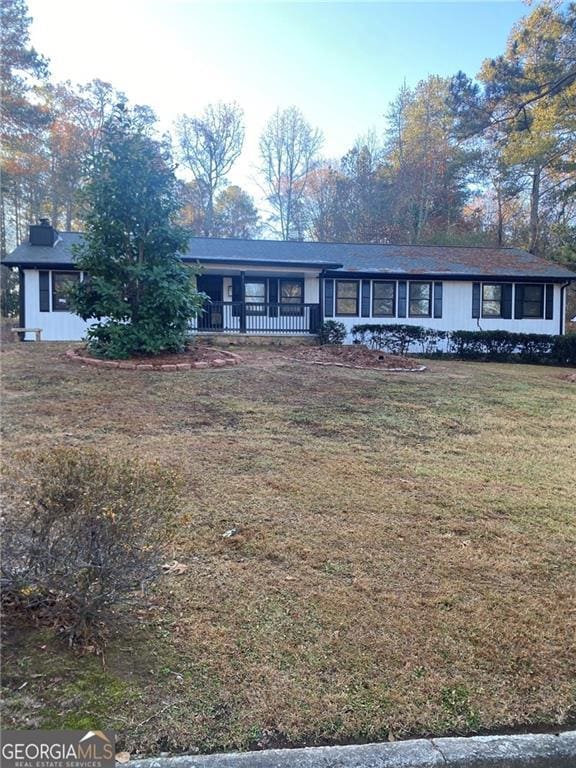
(404, 562)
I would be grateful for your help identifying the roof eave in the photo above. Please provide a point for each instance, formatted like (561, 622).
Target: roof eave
(320, 265)
(482, 277)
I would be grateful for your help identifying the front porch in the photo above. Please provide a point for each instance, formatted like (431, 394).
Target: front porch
(257, 303)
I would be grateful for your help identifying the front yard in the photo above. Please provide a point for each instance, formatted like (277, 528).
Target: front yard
(403, 562)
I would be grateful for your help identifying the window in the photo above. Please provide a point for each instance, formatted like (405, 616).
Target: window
(491, 300)
(255, 293)
(61, 283)
(291, 292)
(533, 301)
(347, 297)
(420, 303)
(383, 299)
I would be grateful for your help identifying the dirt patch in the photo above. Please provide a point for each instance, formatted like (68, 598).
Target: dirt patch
(352, 357)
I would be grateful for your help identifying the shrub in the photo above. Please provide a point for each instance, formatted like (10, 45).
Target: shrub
(469, 345)
(564, 349)
(503, 345)
(332, 332)
(81, 532)
(397, 339)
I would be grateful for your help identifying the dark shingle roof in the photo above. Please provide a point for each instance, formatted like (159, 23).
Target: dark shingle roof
(60, 254)
(445, 261)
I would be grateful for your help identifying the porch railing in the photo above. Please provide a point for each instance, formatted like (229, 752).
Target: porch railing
(248, 317)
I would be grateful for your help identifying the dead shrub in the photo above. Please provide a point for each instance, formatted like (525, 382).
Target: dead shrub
(82, 533)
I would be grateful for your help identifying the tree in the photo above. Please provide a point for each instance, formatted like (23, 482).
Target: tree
(429, 167)
(77, 115)
(20, 117)
(526, 111)
(138, 289)
(209, 146)
(326, 204)
(289, 149)
(235, 214)
(192, 207)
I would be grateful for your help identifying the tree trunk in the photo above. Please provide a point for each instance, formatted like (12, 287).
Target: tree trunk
(209, 218)
(535, 209)
(500, 222)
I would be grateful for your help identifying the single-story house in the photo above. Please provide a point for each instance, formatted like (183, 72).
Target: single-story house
(289, 288)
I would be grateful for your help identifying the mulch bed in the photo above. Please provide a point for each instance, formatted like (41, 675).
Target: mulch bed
(197, 356)
(355, 356)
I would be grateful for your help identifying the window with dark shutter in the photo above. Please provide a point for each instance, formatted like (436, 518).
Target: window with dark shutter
(383, 298)
(62, 282)
(491, 300)
(419, 299)
(533, 302)
(347, 298)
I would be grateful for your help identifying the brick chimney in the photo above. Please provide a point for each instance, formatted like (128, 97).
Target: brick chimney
(43, 233)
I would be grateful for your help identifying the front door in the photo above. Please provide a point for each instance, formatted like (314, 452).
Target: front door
(212, 316)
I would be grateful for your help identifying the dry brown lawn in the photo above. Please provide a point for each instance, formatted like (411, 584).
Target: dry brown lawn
(403, 562)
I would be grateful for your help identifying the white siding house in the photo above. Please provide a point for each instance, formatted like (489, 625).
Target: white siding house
(289, 288)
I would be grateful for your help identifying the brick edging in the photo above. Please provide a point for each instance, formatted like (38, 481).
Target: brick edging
(223, 359)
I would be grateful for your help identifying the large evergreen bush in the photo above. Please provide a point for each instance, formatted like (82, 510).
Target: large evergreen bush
(137, 289)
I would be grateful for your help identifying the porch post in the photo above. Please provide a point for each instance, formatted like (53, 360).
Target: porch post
(243, 304)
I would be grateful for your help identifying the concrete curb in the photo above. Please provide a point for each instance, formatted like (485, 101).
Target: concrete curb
(525, 751)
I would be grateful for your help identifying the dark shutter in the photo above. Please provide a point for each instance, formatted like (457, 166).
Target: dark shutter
(328, 298)
(475, 299)
(22, 297)
(273, 296)
(506, 307)
(518, 301)
(44, 291)
(402, 298)
(549, 302)
(236, 296)
(365, 305)
(437, 299)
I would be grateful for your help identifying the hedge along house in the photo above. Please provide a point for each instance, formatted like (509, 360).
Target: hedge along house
(289, 288)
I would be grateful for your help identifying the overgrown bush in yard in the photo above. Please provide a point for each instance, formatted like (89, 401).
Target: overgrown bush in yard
(82, 532)
(332, 332)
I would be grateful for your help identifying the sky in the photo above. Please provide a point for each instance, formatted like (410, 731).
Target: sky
(341, 63)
